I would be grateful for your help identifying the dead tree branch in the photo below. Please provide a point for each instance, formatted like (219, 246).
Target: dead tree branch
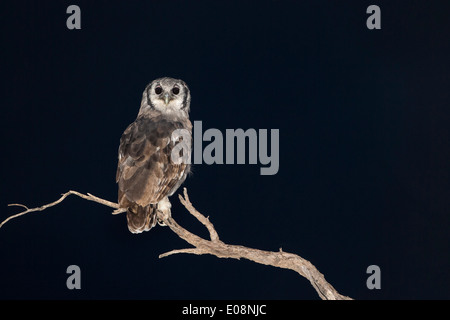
(215, 246)
(87, 196)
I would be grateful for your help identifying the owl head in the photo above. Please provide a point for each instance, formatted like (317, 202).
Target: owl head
(168, 96)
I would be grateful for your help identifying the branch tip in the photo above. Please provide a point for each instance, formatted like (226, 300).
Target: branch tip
(17, 205)
(187, 250)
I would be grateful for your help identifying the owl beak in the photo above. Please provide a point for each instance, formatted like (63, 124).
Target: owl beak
(166, 98)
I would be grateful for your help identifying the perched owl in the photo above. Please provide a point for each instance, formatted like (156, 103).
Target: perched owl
(146, 174)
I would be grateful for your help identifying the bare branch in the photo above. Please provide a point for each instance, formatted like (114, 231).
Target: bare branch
(204, 220)
(187, 250)
(219, 249)
(64, 195)
(120, 210)
(17, 205)
(280, 259)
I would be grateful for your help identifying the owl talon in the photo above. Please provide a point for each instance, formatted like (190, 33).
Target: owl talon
(160, 222)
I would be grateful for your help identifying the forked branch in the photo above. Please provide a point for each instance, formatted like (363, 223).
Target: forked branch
(215, 246)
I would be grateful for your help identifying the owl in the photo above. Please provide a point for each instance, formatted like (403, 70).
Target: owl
(146, 174)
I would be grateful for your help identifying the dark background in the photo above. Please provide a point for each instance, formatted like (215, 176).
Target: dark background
(364, 145)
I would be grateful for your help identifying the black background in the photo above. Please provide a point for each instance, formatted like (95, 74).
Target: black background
(364, 145)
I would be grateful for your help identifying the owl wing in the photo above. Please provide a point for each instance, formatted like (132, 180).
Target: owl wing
(145, 172)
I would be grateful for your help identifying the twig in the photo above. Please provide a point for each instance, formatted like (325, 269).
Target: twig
(214, 246)
(204, 220)
(187, 250)
(64, 195)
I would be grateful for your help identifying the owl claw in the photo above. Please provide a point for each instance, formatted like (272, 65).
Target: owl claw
(160, 222)
(163, 211)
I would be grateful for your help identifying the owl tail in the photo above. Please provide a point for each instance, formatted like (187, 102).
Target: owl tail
(141, 218)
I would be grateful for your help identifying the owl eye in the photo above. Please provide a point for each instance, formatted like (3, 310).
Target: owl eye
(158, 90)
(176, 90)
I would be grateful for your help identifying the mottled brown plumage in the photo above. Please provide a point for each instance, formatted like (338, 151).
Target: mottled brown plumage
(146, 173)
